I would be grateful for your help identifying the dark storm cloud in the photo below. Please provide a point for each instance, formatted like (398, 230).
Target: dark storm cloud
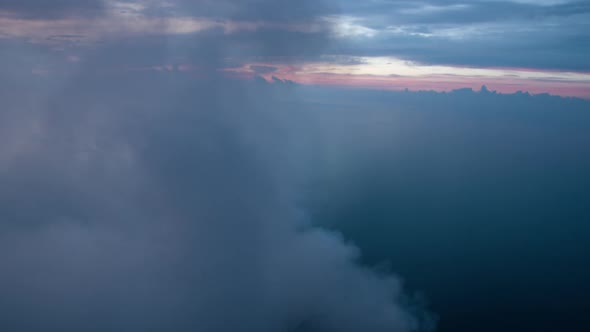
(51, 8)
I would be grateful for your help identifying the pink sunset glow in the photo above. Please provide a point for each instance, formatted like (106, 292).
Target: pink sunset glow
(552, 82)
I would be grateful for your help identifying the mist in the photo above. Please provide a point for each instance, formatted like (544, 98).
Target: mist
(157, 201)
(156, 176)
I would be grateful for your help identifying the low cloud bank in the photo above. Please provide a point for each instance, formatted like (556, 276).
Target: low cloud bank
(149, 203)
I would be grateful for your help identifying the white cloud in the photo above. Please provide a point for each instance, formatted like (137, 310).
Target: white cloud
(349, 27)
(387, 66)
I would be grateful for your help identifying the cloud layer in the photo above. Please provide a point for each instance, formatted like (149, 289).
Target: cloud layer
(134, 200)
(51, 9)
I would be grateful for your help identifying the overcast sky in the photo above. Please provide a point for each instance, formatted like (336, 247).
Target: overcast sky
(241, 165)
(538, 46)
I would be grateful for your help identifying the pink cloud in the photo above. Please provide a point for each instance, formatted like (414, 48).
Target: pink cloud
(438, 82)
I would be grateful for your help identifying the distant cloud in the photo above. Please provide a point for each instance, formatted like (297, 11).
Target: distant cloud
(263, 69)
(396, 74)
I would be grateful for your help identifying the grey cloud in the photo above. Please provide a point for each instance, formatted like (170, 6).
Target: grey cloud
(208, 50)
(263, 69)
(149, 203)
(53, 8)
(448, 32)
(251, 10)
(478, 33)
(485, 46)
(136, 200)
(505, 11)
(454, 186)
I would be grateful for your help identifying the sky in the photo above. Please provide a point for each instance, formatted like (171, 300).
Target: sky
(294, 166)
(535, 46)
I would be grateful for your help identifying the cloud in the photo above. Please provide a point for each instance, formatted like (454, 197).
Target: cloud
(395, 74)
(448, 32)
(262, 69)
(473, 34)
(249, 10)
(482, 45)
(51, 9)
(139, 200)
(455, 190)
(147, 203)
